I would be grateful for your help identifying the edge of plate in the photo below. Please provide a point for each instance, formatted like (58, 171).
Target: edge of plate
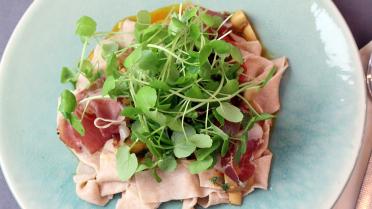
(329, 4)
(9, 47)
(349, 36)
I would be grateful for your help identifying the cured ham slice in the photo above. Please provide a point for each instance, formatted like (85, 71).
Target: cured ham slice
(94, 138)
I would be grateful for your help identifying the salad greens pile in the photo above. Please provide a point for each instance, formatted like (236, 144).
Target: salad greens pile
(181, 80)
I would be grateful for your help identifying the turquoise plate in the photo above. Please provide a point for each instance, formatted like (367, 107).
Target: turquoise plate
(315, 141)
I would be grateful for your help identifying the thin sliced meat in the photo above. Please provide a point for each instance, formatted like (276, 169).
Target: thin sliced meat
(107, 169)
(89, 159)
(87, 188)
(189, 203)
(255, 132)
(261, 174)
(166, 190)
(98, 62)
(112, 187)
(263, 143)
(82, 83)
(268, 97)
(125, 38)
(256, 68)
(246, 47)
(94, 138)
(206, 176)
(214, 198)
(242, 172)
(131, 200)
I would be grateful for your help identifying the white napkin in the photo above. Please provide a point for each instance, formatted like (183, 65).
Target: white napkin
(349, 197)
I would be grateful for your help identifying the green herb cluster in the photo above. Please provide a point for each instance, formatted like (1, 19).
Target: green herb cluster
(180, 80)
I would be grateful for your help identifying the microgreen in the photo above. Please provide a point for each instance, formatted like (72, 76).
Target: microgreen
(178, 82)
(126, 163)
(146, 98)
(168, 164)
(85, 27)
(68, 75)
(230, 112)
(201, 140)
(200, 165)
(211, 21)
(67, 107)
(130, 112)
(108, 85)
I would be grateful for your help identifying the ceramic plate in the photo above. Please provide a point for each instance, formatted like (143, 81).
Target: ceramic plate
(315, 140)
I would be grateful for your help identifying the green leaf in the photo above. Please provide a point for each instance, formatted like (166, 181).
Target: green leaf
(85, 27)
(108, 85)
(225, 147)
(175, 124)
(155, 33)
(204, 53)
(155, 175)
(109, 48)
(264, 116)
(149, 61)
(77, 125)
(146, 98)
(176, 26)
(146, 164)
(189, 13)
(112, 66)
(157, 116)
(219, 118)
(193, 114)
(67, 75)
(168, 164)
(182, 147)
(126, 163)
(68, 102)
(194, 92)
(189, 130)
(201, 140)
(220, 47)
(236, 54)
(195, 32)
(143, 19)
(87, 69)
(200, 165)
(268, 77)
(201, 154)
(230, 87)
(220, 133)
(211, 21)
(133, 58)
(158, 84)
(130, 112)
(230, 112)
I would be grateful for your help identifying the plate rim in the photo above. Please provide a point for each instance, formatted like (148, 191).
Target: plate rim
(336, 14)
